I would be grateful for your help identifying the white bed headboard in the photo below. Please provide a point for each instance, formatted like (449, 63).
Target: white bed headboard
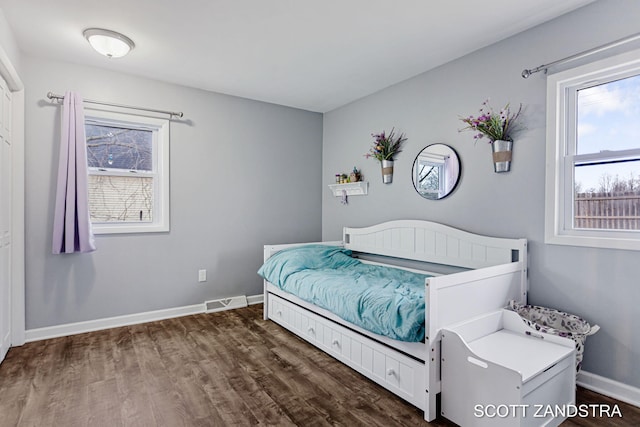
(436, 243)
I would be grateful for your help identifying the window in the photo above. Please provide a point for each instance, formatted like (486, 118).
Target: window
(128, 161)
(593, 155)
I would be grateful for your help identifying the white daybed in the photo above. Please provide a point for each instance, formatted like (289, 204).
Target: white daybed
(491, 271)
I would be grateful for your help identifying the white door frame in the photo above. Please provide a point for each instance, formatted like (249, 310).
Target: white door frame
(10, 75)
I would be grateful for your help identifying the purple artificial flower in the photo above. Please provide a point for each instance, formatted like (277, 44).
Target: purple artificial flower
(493, 125)
(385, 147)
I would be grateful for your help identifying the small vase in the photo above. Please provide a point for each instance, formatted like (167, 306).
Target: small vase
(387, 171)
(501, 155)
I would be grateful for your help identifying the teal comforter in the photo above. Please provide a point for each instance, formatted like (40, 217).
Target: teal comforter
(384, 300)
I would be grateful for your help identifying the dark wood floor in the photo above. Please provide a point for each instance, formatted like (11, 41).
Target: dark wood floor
(222, 369)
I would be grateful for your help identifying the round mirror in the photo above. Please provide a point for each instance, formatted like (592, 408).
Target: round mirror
(436, 171)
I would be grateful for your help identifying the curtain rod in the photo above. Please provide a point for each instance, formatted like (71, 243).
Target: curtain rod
(53, 96)
(527, 72)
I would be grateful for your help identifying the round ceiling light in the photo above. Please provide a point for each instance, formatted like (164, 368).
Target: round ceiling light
(108, 43)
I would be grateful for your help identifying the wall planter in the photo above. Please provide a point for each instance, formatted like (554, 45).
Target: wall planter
(385, 148)
(387, 171)
(498, 128)
(501, 151)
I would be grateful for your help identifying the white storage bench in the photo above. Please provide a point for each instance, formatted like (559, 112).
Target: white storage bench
(498, 371)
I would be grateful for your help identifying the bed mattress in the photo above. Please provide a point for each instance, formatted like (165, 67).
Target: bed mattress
(384, 300)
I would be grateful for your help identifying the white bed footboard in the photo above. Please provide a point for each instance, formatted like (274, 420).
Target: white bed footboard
(455, 298)
(461, 296)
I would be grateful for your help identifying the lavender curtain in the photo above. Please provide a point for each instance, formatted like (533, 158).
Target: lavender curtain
(71, 224)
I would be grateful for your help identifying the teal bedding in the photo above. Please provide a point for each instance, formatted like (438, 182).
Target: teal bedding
(384, 300)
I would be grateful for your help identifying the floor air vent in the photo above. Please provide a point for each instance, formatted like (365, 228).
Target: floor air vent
(225, 304)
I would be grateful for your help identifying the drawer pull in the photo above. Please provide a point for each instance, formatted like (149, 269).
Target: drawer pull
(391, 372)
(336, 343)
(311, 330)
(279, 313)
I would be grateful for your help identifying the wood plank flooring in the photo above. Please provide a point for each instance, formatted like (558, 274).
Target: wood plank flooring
(222, 369)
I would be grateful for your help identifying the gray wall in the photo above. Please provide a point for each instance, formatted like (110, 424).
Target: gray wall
(8, 43)
(233, 187)
(600, 285)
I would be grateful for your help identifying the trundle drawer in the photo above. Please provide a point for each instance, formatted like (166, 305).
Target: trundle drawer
(396, 372)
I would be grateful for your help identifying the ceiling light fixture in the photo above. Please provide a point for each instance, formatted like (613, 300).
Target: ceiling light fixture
(108, 43)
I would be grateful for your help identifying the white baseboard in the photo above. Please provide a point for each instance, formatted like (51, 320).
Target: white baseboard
(118, 321)
(608, 387)
(255, 299)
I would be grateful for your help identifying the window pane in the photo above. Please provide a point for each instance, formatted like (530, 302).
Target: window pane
(608, 116)
(607, 196)
(428, 179)
(119, 148)
(120, 198)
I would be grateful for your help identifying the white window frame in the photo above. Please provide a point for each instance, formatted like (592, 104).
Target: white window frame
(160, 170)
(562, 90)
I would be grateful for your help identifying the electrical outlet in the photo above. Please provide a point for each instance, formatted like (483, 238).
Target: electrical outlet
(202, 275)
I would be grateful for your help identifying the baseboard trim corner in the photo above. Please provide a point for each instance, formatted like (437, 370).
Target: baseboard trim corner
(608, 387)
(118, 321)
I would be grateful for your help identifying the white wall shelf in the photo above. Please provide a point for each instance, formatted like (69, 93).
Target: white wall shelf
(359, 188)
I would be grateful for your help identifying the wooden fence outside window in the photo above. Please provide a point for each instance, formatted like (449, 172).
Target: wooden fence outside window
(607, 211)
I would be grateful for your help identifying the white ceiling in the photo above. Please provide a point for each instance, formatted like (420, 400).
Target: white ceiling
(311, 54)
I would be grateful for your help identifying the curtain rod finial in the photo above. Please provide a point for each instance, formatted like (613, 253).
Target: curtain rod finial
(526, 74)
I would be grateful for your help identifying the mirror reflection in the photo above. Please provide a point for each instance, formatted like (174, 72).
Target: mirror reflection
(436, 171)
